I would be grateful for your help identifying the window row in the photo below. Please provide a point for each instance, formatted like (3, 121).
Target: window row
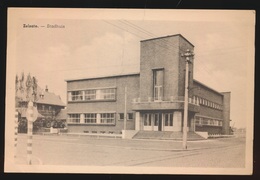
(208, 121)
(130, 116)
(97, 118)
(92, 118)
(45, 108)
(92, 94)
(155, 119)
(205, 102)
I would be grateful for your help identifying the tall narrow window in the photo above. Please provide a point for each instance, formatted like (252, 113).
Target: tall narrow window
(147, 120)
(158, 84)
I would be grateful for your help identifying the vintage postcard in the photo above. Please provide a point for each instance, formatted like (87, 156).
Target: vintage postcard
(130, 91)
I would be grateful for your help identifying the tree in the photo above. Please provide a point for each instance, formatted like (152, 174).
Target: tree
(34, 88)
(26, 90)
(21, 87)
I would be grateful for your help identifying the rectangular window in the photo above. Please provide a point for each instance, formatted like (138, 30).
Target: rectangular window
(147, 120)
(158, 84)
(216, 122)
(121, 116)
(76, 95)
(90, 94)
(107, 93)
(90, 118)
(73, 118)
(197, 100)
(130, 116)
(168, 119)
(205, 121)
(107, 118)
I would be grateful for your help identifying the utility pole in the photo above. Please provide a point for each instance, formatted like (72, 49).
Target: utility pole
(30, 119)
(125, 115)
(187, 56)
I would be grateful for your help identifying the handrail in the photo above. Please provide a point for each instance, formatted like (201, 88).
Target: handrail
(165, 99)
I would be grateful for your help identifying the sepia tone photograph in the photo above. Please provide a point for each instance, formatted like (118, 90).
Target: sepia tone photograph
(136, 91)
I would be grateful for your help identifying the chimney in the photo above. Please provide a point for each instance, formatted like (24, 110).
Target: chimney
(46, 89)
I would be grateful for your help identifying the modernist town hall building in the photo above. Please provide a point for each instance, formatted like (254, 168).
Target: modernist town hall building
(154, 98)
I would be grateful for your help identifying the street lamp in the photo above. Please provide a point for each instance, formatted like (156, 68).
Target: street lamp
(187, 56)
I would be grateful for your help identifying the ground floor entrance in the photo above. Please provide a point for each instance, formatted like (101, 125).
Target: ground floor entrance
(161, 121)
(152, 121)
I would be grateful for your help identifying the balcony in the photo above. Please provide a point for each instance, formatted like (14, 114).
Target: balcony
(165, 103)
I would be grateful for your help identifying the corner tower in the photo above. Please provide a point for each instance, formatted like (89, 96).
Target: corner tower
(162, 79)
(162, 69)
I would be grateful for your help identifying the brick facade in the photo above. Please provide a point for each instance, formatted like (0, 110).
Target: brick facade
(155, 95)
(115, 106)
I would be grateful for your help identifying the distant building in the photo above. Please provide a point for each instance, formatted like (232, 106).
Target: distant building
(155, 96)
(48, 105)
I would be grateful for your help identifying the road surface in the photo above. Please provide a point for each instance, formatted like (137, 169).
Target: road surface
(75, 150)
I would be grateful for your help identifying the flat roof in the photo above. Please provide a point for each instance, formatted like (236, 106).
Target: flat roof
(167, 37)
(103, 76)
(207, 87)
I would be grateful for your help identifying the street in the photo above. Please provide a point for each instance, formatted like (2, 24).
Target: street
(92, 151)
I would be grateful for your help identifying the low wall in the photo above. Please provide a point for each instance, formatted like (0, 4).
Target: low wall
(209, 129)
(128, 134)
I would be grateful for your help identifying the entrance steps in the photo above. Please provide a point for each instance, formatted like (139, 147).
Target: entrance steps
(166, 135)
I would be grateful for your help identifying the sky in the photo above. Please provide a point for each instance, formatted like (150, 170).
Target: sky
(106, 43)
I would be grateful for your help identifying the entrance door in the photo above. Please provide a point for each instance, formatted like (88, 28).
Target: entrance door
(158, 122)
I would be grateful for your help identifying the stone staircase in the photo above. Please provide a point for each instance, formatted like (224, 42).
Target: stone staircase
(166, 135)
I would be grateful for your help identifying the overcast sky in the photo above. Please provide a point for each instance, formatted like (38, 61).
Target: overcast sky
(100, 45)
